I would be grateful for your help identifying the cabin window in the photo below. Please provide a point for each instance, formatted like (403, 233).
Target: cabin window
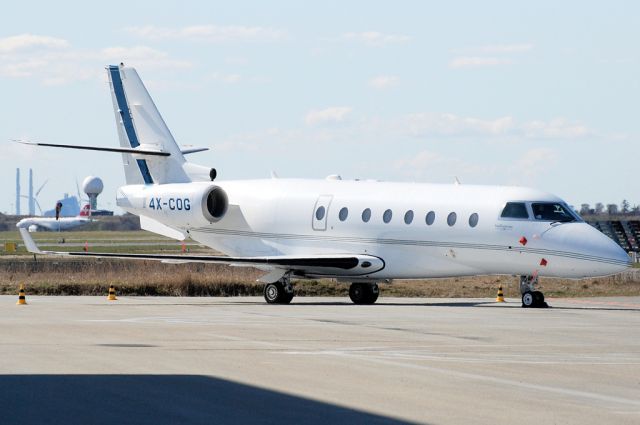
(515, 210)
(343, 214)
(320, 213)
(430, 218)
(473, 220)
(451, 218)
(552, 211)
(386, 217)
(408, 217)
(366, 215)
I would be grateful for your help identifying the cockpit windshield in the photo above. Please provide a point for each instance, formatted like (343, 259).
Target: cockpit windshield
(515, 210)
(553, 211)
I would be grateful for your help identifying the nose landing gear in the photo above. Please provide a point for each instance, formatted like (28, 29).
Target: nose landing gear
(530, 297)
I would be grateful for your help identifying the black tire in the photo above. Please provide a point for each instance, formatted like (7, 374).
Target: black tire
(286, 297)
(374, 293)
(358, 293)
(274, 292)
(364, 293)
(538, 299)
(528, 300)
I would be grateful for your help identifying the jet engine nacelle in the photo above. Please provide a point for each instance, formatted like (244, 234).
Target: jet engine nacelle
(181, 205)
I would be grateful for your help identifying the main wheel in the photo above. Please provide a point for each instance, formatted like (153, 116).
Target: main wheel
(286, 297)
(528, 299)
(374, 292)
(364, 293)
(274, 292)
(358, 293)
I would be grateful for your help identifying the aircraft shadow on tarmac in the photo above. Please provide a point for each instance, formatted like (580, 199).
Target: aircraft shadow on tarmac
(345, 303)
(402, 304)
(161, 399)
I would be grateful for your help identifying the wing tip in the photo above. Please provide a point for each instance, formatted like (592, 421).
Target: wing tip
(29, 243)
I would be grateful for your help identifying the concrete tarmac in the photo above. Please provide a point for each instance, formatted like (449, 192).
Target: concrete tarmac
(148, 360)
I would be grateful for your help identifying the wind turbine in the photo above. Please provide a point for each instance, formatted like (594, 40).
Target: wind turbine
(35, 197)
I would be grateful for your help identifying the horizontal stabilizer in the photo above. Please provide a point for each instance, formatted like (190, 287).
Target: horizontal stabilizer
(193, 150)
(97, 148)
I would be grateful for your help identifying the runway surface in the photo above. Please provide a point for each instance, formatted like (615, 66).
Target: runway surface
(318, 361)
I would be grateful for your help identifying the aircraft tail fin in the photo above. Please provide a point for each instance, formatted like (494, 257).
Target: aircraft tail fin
(149, 152)
(85, 211)
(141, 126)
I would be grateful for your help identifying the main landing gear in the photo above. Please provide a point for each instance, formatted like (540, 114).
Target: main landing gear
(364, 292)
(530, 297)
(280, 292)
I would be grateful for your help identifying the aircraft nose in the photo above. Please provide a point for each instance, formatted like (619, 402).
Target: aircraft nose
(603, 255)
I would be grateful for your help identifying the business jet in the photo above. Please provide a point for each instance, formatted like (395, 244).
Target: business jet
(358, 232)
(33, 224)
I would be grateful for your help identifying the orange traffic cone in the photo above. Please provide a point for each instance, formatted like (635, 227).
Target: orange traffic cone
(112, 293)
(500, 297)
(22, 300)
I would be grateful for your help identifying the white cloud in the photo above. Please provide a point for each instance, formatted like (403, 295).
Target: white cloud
(532, 164)
(478, 61)
(383, 81)
(375, 38)
(19, 42)
(54, 61)
(226, 78)
(420, 161)
(556, 128)
(426, 123)
(437, 167)
(445, 124)
(209, 33)
(233, 78)
(141, 56)
(488, 55)
(328, 115)
(506, 48)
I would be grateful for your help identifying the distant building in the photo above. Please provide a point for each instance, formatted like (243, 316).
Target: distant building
(70, 207)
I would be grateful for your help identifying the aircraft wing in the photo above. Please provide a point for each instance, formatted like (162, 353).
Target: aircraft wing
(304, 265)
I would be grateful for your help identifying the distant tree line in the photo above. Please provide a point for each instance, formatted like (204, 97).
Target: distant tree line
(600, 209)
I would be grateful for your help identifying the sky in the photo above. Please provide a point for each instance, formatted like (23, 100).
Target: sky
(543, 94)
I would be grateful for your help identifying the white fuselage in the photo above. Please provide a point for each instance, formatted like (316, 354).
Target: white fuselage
(50, 223)
(281, 217)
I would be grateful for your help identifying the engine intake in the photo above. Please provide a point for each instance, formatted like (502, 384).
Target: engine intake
(215, 204)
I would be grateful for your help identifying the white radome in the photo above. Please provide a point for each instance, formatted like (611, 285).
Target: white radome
(92, 185)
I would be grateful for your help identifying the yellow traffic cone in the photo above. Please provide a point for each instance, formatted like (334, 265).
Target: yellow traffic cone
(112, 294)
(22, 300)
(500, 297)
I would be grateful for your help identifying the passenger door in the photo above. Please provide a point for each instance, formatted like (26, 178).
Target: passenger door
(321, 212)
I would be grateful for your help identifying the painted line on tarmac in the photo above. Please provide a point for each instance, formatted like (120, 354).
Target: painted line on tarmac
(596, 303)
(493, 380)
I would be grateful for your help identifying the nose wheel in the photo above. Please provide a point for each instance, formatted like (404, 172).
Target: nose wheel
(531, 298)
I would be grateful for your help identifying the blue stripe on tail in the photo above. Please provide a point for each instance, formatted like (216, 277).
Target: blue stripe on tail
(125, 114)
